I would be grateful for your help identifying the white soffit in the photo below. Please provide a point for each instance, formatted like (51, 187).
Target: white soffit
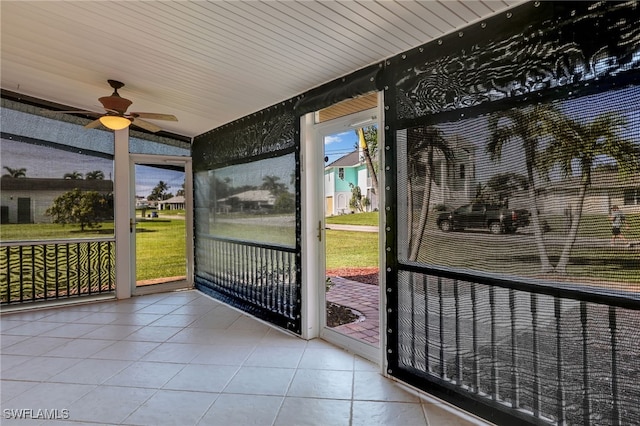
(209, 63)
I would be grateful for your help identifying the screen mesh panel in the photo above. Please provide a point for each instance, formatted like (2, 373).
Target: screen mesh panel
(536, 192)
(247, 216)
(559, 359)
(513, 226)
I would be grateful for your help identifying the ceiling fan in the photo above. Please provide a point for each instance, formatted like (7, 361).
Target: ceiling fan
(116, 116)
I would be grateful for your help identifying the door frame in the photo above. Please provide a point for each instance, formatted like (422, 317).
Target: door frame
(313, 235)
(186, 162)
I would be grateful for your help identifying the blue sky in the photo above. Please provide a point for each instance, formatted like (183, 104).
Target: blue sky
(148, 177)
(339, 144)
(47, 162)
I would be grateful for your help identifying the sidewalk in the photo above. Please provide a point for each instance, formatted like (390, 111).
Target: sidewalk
(360, 228)
(360, 297)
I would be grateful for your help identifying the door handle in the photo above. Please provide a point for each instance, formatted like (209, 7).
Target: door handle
(319, 230)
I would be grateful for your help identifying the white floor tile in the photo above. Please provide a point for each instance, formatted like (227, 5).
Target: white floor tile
(80, 348)
(182, 358)
(91, 371)
(367, 413)
(223, 355)
(38, 369)
(9, 389)
(49, 396)
(332, 384)
(271, 356)
(72, 330)
(370, 386)
(8, 362)
(136, 318)
(35, 346)
(153, 334)
(261, 381)
(314, 412)
(109, 404)
(203, 378)
(125, 350)
(231, 409)
(112, 332)
(168, 407)
(175, 352)
(326, 359)
(146, 374)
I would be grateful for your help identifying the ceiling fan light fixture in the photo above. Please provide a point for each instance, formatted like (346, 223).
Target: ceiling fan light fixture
(115, 122)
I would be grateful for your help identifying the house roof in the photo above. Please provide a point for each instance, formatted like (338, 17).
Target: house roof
(46, 184)
(349, 160)
(254, 195)
(178, 199)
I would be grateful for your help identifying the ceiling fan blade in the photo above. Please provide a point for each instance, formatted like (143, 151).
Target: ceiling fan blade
(155, 116)
(93, 124)
(145, 125)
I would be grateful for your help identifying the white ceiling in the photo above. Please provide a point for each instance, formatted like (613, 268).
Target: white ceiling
(209, 63)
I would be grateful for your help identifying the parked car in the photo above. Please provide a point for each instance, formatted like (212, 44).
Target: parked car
(497, 219)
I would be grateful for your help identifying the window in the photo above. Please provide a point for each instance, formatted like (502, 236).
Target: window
(461, 171)
(631, 196)
(341, 173)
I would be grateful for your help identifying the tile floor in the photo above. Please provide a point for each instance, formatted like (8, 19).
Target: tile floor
(182, 358)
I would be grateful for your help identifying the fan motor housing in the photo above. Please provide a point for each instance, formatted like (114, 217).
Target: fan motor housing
(115, 103)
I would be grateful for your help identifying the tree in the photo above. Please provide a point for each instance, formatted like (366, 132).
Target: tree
(285, 203)
(368, 141)
(503, 185)
(73, 175)
(423, 143)
(15, 173)
(527, 125)
(94, 175)
(87, 208)
(577, 144)
(180, 192)
(356, 198)
(271, 183)
(159, 192)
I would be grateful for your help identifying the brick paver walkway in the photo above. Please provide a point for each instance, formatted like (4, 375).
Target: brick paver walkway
(363, 298)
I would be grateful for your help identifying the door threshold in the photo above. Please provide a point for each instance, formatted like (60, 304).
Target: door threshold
(162, 287)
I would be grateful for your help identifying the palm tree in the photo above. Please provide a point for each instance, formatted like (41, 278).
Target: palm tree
(159, 191)
(575, 142)
(94, 175)
(73, 175)
(422, 145)
(271, 183)
(368, 142)
(15, 173)
(528, 125)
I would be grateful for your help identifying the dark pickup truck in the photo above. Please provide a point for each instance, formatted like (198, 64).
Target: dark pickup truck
(497, 219)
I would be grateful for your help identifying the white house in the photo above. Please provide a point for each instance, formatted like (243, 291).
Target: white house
(350, 169)
(453, 181)
(25, 200)
(173, 203)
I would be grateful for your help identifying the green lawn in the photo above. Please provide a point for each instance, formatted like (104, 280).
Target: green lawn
(160, 243)
(48, 231)
(370, 219)
(270, 231)
(593, 260)
(351, 249)
(596, 226)
(160, 249)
